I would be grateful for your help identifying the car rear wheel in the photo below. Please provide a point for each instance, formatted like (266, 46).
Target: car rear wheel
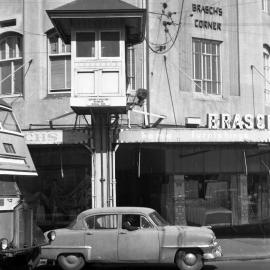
(71, 261)
(188, 260)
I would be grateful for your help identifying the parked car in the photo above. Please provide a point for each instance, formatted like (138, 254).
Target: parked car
(130, 235)
(20, 238)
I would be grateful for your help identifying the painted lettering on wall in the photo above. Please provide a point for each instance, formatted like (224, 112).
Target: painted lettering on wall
(236, 121)
(207, 10)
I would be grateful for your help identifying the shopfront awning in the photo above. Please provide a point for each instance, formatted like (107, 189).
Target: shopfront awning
(189, 135)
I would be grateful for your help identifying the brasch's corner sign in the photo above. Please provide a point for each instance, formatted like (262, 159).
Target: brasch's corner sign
(237, 121)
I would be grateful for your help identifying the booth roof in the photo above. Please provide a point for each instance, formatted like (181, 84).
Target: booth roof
(95, 5)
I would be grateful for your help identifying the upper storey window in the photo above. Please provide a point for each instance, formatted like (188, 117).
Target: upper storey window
(11, 71)
(206, 66)
(59, 65)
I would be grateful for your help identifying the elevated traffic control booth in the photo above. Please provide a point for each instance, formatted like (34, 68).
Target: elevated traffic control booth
(100, 32)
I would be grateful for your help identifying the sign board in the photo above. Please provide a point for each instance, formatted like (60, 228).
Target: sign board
(193, 135)
(237, 121)
(51, 137)
(44, 136)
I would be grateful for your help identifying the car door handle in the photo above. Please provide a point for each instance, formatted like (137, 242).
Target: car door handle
(89, 233)
(122, 233)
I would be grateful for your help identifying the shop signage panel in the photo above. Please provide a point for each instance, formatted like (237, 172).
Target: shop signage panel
(47, 137)
(189, 135)
(237, 121)
(201, 12)
(44, 136)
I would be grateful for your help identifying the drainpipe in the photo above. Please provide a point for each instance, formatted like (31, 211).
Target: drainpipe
(113, 183)
(146, 73)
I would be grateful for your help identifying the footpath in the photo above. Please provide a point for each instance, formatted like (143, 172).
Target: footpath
(245, 243)
(245, 248)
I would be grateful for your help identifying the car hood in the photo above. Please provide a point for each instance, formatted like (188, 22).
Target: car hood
(186, 236)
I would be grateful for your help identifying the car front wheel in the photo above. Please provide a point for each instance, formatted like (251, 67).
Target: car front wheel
(188, 260)
(71, 261)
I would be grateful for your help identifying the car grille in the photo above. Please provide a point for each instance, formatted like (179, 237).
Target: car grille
(23, 218)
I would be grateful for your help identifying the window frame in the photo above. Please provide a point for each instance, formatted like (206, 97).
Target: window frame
(96, 45)
(203, 56)
(130, 72)
(12, 61)
(60, 54)
(99, 44)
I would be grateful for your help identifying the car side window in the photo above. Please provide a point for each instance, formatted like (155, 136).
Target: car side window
(101, 222)
(131, 222)
(145, 224)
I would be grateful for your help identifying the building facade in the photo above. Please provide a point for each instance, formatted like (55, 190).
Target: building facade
(208, 84)
(196, 149)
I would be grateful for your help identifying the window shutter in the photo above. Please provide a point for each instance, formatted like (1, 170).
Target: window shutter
(5, 70)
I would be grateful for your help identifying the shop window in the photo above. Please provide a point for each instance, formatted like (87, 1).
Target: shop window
(59, 65)
(206, 66)
(131, 71)
(258, 190)
(266, 69)
(11, 71)
(208, 201)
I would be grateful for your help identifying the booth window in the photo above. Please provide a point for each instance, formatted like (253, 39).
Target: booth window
(85, 44)
(59, 65)
(110, 44)
(206, 66)
(11, 61)
(266, 70)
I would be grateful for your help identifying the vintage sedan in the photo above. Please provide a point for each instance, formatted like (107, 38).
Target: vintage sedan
(130, 235)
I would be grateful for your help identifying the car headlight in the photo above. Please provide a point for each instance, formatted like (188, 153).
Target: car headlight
(4, 243)
(213, 240)
(51, 235)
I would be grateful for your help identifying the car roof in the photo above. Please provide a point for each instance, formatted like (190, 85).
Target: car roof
(118, 210)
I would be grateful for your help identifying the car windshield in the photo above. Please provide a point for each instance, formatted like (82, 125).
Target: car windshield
(158, 219)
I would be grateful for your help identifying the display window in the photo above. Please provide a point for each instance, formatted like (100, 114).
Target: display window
(63, 187)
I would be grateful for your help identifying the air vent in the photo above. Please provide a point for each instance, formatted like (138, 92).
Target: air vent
(9, 148)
